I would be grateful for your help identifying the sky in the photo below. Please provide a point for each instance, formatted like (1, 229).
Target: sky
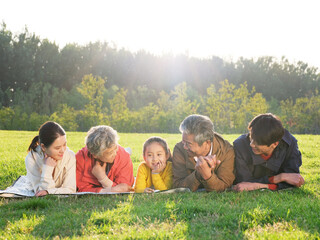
(225, 28)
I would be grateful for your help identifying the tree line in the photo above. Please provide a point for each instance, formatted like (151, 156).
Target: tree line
(82, 86)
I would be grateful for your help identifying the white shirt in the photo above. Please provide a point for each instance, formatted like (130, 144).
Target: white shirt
(40, 175)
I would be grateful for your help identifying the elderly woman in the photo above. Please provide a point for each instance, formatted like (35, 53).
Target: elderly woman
(103, 165)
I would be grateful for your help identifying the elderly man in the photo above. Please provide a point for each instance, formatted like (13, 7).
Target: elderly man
(103, 165)
(267, 157)
(203, 159)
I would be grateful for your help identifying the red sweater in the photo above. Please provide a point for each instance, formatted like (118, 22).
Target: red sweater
(121, 171)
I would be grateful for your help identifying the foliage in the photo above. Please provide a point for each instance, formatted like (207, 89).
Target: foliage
(6, 117)
(231, 108)
(303, 116)
(65, 116)
(92, 89)
(119, 111)
(38, 77)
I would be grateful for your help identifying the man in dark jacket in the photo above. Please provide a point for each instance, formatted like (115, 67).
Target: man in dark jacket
(267, 157)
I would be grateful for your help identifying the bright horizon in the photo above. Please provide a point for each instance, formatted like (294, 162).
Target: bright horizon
(227, 29)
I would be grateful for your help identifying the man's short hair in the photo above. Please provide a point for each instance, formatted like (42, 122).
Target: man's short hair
(198, 125)
(266, 129)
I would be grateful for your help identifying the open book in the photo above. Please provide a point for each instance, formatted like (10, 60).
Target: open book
(22, 188)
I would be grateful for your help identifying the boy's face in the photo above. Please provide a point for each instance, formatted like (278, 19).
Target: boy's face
(262, 149)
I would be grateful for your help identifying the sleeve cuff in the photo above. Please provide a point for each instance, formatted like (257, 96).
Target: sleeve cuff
(198, 176)
(51, 190)
(271, 180)
(273, 187)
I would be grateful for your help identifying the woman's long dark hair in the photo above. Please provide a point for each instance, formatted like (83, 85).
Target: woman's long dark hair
(48, 133)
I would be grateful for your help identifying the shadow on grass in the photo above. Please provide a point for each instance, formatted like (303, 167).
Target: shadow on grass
(202, 215)
(232, 215)
(52, 215)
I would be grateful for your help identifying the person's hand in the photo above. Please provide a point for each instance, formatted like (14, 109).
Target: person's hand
(50, 161)
(294, 179)
(148, 190)
(248, 186)
(99, 170)
(41, 193)
(212, 161)
(122, 187)
(203, 168)
(159, 168)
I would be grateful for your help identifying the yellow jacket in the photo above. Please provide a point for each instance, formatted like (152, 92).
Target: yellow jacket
(145, 178)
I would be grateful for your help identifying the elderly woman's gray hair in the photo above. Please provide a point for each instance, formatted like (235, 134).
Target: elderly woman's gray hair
(198, 125)
(100, 138)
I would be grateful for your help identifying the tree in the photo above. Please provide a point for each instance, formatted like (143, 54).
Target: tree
(174, 107)
(303, 116)
(92, 89)
(231, 108)
(23, 62)
(6, 54)
(66, 117)
(119, 111)
(6, 118)
(47, 59)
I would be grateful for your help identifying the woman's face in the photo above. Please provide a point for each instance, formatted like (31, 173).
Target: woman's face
(56, 149)
(108, 155)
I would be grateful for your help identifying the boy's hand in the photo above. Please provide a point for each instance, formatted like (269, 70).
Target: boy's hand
(294, 179)
(249, 186)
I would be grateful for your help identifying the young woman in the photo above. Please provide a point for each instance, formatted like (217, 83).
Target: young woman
(51, 166)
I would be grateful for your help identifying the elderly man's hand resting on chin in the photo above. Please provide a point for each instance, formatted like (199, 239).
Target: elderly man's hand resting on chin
(205, 165)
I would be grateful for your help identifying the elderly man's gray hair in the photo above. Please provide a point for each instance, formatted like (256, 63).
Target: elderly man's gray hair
(99, 138)
(198, 125)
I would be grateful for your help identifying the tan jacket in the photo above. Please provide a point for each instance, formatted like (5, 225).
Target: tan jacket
(184, 174)
(40, 175)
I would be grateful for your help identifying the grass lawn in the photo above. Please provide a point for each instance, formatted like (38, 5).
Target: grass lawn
(287, 214)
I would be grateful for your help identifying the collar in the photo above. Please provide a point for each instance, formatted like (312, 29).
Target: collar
(273, 162)
(287, 137)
